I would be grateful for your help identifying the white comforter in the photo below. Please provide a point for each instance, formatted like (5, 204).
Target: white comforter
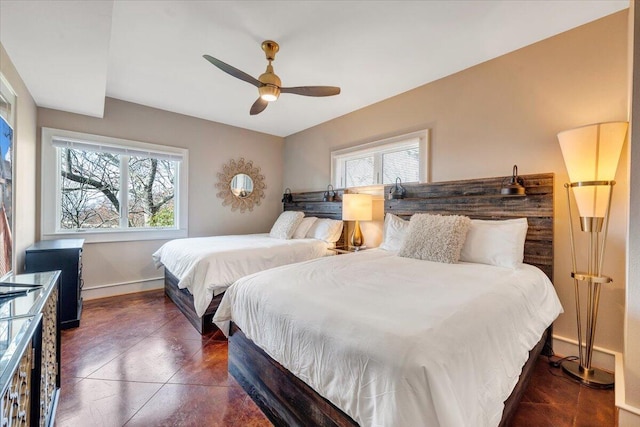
(395, 341)
(206, 266)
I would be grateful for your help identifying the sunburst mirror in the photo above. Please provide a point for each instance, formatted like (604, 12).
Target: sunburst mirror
(240, 185)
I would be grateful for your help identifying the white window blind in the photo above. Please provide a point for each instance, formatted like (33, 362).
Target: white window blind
(382, 162)
(97, 147)
(359, 172)
(403, 164)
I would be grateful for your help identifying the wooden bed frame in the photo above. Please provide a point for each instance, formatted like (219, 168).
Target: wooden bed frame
(311, 203)
(288, 401)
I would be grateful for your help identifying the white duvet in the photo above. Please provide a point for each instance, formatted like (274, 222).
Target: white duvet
(206, 266)
(395, 341)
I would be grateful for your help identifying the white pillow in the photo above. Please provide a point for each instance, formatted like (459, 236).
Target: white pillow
(305, 225)
(326, 229)
(499, 243)
(436, 238)
(286, 224)
(395, 229)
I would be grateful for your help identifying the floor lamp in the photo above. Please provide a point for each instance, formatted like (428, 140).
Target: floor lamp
(591, 155)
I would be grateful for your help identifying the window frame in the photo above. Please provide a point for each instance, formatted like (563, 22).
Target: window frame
(377, 149)
(11, 97)
(50, 214)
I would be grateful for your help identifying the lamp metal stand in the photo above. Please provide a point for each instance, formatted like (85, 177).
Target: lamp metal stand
(593, 279)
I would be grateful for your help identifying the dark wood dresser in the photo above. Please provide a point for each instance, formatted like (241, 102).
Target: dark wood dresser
(29, 349)
(64, 255)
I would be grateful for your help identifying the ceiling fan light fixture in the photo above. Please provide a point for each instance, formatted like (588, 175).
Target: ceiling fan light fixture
(269, 93)
(270, 89)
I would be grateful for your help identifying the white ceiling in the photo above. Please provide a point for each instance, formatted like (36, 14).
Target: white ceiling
(71, 54)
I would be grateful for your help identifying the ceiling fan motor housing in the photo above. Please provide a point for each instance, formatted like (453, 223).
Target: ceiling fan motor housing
(270, 91)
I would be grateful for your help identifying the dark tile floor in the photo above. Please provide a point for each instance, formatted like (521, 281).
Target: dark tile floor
(136, 361)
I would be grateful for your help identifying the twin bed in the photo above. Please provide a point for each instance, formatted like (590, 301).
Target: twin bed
(374, 338)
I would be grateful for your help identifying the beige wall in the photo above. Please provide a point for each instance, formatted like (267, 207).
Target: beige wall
(210, 146)
(506, 111)
(24, 184)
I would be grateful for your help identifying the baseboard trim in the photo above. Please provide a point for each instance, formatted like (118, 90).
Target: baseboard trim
(603, 358)
(628, 415)
(114, 289)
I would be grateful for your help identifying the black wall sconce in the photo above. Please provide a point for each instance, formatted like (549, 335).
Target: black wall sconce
(329, 195)
(287, 197)
(397, 191)
(515, 186)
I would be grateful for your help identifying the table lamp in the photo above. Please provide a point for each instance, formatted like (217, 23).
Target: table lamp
(357, 207)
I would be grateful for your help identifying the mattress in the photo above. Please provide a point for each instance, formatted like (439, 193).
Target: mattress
(206, 266)
(394, 341)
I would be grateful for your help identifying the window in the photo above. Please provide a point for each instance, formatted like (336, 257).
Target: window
(111, 189)
(7, 166)
(381, 162)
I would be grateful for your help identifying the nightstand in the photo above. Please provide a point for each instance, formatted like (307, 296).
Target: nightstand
(340, 250)
(64, 255)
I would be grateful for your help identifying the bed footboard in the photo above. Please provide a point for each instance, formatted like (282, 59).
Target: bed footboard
(184, 301)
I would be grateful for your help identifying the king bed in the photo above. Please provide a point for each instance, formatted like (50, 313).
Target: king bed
(375, 338)
(198, 270)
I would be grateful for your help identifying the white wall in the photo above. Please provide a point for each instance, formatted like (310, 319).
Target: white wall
(506, 111)
(24, 185)
(210, 146)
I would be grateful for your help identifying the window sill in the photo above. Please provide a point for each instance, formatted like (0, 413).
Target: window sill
(117, 236)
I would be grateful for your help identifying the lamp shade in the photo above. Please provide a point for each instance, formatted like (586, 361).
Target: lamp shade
(591, 153)
(357, 207)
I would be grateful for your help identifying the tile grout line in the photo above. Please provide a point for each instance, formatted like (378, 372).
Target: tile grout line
(169, 379)
(114, 358)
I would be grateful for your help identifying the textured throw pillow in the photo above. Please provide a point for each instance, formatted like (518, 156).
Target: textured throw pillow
(435, 237)
(499, 243)
(303, 228)
(395, 229)
(326, 229)
(286, 224)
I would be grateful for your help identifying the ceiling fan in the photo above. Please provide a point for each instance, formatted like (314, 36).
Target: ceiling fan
(269, 84)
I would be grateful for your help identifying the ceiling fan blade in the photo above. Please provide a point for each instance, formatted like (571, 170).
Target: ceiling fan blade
(233, 71)
(312, 90)
(258, 106)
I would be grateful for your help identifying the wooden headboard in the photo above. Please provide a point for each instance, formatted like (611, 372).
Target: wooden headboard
(312, 204)
(481, 199)
(475, 198)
